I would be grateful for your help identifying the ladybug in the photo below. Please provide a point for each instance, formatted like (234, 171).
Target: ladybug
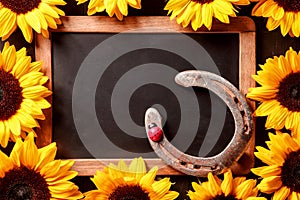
(154, 132)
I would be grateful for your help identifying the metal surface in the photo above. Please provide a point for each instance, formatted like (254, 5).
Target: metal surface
(200, 166)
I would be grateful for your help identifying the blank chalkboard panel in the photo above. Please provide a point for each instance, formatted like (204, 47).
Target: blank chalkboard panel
(105, 74)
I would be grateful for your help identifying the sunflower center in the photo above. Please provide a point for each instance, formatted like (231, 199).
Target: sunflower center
(10, 95)
(23, 184)
(289, 5)
(295, 92)
(20, 6)
(290, 173)
(289, 92)
(20, 191)
(1, 94)
(203, 1)
(129, 192)
(223, 197)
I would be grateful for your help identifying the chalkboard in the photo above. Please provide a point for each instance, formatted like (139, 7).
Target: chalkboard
(105, 74)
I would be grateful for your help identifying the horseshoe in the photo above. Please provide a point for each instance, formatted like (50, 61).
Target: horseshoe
(201, 166)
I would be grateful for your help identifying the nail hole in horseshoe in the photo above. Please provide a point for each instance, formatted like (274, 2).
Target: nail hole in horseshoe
(242, 113)
(213, 167)
(197, 166)
(236, 100)
(182, 163)
(245, 128)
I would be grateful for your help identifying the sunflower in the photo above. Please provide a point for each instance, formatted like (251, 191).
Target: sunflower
(283, 13)
(201, 12)
(21, 94)
(281, 176)
(27, 15)
(112, 7)
(229, 189)
(279, 91)
(123, 182)
(32, 173)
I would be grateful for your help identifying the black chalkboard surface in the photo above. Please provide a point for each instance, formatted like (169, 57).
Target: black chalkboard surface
(129, 85)
(104, 79)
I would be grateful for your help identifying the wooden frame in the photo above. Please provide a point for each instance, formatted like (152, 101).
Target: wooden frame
(244, 26)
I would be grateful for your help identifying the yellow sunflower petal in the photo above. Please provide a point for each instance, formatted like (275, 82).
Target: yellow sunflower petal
(148, 179)
(6, 36)
(277, 119)
(207, 14)
(213, 187)
(14, 125)
(34, 92)
(272, 24)
(294, 196)
(237, 181)
(258, 8)
(5, 164)
(296, 25)
(267, 107)
(63, 177)
(268, 157)
(244, 190)
(9, 57)
(196, 196)
(286, 23)
(50, 170)
(25, 28)
(134, 3)
(2, 132)
(29, 152)
(36, 66)
(270, 184)
(15, 153)
(266, 171)
(118, 14)
(51, 22)
(227, 183)
(40, 15)
(197, 20)
(54, 2)
(46, 155)
(138, 167)
(225, 8)
(103, 182)
(242, 2)
(6, 133)
(269, 9)
(284, 65)
(21, 53)
(161, 187)
(33, 21)
(175, 4)
(7, 21)
(282, 193)
(278, 13)
(48, 10)
(31, 79)
(122, 5)
(291, 56)
(170, 195)
(21, 66)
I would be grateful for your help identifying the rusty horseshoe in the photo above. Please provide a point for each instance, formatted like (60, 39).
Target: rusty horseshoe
(201, 166)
